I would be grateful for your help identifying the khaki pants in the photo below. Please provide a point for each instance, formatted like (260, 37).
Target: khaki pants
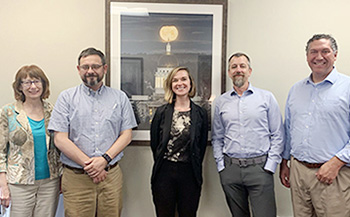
(39, 199)
(82, 197)
(310, 197)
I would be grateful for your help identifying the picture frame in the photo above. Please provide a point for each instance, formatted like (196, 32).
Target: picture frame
(145, 39)
(131, 79)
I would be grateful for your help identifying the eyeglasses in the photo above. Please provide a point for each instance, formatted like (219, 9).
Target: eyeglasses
(28, 83)
(93, 67)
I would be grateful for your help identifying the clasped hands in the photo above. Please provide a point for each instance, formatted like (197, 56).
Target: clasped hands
(95, 168)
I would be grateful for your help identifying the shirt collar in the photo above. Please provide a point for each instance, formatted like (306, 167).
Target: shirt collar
(90, 91)
(331, 78)
(249, 90)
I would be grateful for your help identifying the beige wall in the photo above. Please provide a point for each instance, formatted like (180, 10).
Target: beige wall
(273, 32)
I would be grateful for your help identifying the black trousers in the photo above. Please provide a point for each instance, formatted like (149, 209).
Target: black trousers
(175, 187)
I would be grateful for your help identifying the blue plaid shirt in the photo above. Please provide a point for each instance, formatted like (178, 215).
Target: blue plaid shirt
(93, 119)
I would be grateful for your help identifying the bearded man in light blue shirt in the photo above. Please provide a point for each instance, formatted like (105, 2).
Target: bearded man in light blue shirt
(317, 123)
(92, 124)
(248, 140)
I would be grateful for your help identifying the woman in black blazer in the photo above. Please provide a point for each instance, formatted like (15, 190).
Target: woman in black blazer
(179, 134)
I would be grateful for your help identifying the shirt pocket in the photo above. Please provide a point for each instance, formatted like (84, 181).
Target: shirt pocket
(114, 116)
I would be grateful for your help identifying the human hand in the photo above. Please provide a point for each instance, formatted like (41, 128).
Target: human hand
(94, 166)
(329, 170)
(101, 177)
(5, 196)
(284, 173)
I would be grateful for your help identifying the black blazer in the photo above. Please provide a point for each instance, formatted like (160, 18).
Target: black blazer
(160, 133)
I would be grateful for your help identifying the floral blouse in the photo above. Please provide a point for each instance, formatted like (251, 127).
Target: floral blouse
(178, 148)
(17, 145)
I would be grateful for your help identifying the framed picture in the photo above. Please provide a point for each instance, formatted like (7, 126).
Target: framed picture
(146, 39)
(132, 76)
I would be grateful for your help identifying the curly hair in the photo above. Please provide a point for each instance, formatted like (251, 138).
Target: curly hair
(315, 37)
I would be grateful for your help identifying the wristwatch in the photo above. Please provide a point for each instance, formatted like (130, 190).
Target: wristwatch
(107, 158)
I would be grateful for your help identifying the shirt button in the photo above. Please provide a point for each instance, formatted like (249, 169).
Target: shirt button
(307, 127)
(309, 113)
(96, 135)
(241, 136)
(312, 100)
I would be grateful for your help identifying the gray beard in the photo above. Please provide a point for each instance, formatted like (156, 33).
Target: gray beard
(92, 82)
(238, 81)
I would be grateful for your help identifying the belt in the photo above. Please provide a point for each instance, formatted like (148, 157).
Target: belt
(310, 165)
(81, 171)
(244, 162)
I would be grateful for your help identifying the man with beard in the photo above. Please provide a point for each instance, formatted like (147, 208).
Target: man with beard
(92, 125)
(248, 139)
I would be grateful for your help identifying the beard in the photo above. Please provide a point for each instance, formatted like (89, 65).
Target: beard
(92, 79)
(238, 81)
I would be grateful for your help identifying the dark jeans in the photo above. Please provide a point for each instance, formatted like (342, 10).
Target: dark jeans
(175, 187)
(250, 182)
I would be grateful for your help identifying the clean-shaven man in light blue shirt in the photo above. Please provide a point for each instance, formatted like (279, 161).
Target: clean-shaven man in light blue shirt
(248, 140)
(317, 123)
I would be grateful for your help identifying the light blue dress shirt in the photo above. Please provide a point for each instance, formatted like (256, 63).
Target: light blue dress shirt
(248, 126)
(93, 119)
(317, 119)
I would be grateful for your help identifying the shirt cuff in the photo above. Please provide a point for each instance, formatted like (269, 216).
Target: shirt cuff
(270, 165)
(343, 158)
(220, 165)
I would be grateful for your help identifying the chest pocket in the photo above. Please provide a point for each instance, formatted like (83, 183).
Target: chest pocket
(114, 115)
